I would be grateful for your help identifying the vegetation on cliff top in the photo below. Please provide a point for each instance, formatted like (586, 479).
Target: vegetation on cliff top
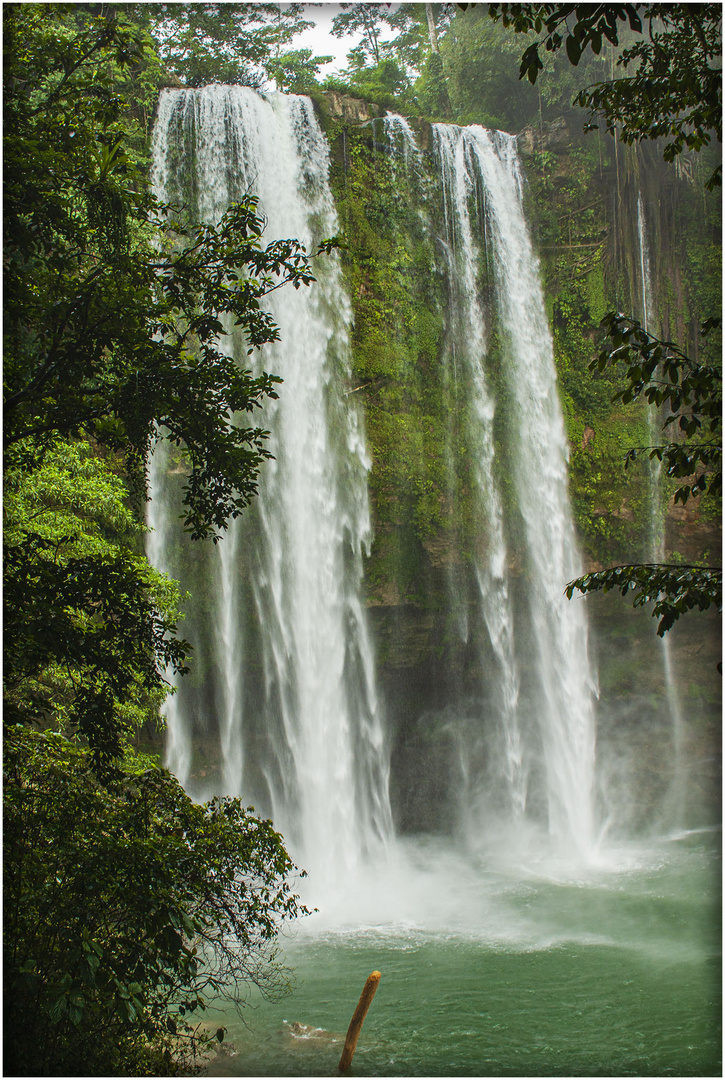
(591, 264)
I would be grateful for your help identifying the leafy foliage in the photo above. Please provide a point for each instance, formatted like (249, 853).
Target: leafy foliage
(675, 88)
(384, 83)
(365, 19)
(225, 43)
(88, 622)
(593, 23)
(412, 44)
(689, 393)
(480, 58)
(296, 70)
(97, 619)
(127, 907)
(673, 590)
(382, 70)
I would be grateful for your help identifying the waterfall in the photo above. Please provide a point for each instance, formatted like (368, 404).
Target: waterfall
(282, 706)
(289, 697)
(480, 169)
(468, 349)
(528, 752)
(656, 548)
(656, 515)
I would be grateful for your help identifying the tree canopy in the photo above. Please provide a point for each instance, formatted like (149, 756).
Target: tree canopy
(689, 395)
(225, 43)
(363, 18)
(127, 909)
(671, 81)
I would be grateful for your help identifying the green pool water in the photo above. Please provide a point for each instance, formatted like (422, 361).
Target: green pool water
(500, 968)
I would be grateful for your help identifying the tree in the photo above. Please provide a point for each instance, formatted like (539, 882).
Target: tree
(88, 622)
(482, 58)
(127, 905)
(296, 71)
(221, 43)
(381, 70)
(690, 395)
(675, 89)
(364, 19)
(127, 908)
(418, 28)
(481, 73)
(384, 83)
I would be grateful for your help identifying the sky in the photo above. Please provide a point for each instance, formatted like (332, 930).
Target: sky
(321, 41)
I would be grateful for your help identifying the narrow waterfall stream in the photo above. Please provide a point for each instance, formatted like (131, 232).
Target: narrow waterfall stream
(467, 336)
(528, 749)
(674, 810)
(515, 937)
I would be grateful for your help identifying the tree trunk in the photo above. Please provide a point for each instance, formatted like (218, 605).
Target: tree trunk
(432, 28)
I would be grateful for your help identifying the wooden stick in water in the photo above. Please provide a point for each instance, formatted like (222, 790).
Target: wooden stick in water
(353, 1032)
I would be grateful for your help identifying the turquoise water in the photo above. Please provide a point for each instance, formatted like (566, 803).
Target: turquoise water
(506, 970)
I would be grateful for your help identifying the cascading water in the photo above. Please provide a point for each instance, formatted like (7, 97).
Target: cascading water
(287, 690)
(467, 335)
(675, 808)
(469, 402)
(536, 740)
(566, 717)
(290, 659)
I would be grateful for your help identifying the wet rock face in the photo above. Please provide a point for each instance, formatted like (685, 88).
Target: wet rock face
(689, 532)
(352, 110)
(555, 136)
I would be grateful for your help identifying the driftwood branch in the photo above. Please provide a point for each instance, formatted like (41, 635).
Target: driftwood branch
(353, 1032)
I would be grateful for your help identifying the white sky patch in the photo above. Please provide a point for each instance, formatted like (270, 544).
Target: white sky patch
(321, 41)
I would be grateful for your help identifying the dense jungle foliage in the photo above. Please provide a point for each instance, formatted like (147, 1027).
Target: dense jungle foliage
(111, 341)
(126, 905)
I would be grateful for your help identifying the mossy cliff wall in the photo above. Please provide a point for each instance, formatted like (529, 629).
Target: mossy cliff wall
(582, 194)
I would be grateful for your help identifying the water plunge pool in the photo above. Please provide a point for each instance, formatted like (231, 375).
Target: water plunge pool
(505, 969)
